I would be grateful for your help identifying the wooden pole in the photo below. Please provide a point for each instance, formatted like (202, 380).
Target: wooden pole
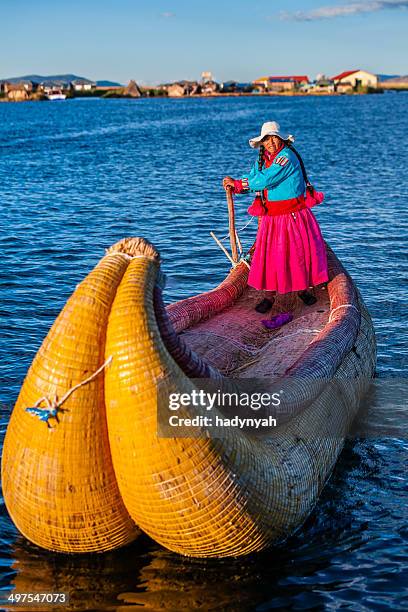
(222, 247)
(231, 219)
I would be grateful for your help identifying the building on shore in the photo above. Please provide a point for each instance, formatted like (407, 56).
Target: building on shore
(15, 93)
(82, 85)
(279, 84)
(18, 92)
(322, 85)
(353, 80)
(49, 87)
(206, 76)
(175, 90)
(209, 87)
(61, 83)
(181, 88)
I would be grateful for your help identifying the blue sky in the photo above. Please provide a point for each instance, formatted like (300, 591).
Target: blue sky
(164, 40)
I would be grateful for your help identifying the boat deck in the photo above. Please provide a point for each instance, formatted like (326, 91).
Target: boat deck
(236, 342)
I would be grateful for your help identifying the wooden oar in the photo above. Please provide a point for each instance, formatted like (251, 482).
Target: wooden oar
(231, 219)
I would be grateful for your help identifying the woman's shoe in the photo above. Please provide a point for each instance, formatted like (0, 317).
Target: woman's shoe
(278, 320)
(307, 297)
(264, 306)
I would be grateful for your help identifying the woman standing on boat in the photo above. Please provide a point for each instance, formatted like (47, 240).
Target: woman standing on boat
(290, 254)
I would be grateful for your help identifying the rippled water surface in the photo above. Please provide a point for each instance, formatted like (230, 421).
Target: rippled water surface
(77, 176)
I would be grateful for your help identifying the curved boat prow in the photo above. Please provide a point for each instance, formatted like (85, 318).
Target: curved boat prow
(58, 480)
(168, 484)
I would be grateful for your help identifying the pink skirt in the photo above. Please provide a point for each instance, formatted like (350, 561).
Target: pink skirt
(290, 254)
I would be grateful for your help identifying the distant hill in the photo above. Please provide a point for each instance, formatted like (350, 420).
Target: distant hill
(108, 84)
(399, 79)
(61, 78)
(37, 78)
(386, 77)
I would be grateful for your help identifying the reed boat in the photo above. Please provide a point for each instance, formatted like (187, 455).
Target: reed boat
(96, 471)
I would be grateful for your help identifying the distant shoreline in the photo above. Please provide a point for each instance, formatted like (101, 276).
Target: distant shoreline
(290, 94)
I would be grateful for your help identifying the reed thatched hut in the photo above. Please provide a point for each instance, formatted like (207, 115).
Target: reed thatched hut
(132, 90)
(18, 92)
(209, 87)
(182, 88)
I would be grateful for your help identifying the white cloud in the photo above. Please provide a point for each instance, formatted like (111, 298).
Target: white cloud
(345, 10)
(167, 15)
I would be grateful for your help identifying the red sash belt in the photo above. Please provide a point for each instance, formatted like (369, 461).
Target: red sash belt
(282, 207)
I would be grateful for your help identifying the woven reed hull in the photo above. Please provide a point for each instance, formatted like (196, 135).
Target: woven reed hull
(211, 497)
(86, 483)
(59, 484)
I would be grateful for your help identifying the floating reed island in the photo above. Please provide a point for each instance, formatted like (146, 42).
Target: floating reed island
(84, 468)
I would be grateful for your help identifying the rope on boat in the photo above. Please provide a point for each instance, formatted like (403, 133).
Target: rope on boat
(237, 251)
(126, 255)
(250, 348)
(55, 406)
(242, 259)
(239, 243)
(342, 306)
(303, 331)
(238, 231)
(243, 347)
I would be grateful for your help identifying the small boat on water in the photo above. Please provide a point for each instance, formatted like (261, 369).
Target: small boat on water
(97, 470)
(56, 94)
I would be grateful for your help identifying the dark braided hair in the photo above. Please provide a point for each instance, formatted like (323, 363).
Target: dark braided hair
(309, 186)
(261, 157)
(260, 166)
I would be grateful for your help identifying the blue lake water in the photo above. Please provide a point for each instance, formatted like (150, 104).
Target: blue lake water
(77, 176)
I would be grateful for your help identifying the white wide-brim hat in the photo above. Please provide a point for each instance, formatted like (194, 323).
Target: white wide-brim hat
(270, 128)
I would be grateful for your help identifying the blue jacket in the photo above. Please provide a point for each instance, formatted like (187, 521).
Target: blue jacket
(283, 179)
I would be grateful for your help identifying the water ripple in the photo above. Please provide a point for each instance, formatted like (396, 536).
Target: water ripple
(75, 177)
